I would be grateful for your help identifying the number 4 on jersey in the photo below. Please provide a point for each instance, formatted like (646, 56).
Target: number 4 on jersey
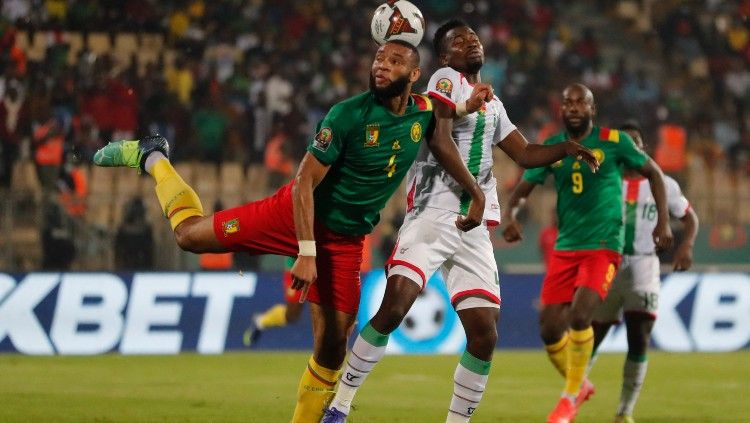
(391, 168)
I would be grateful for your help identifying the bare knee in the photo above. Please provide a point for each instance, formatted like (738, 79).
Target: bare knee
(551, 334)
(553, 323)
(331, 350)
(581, 317)
(191, 235)
(185, 240)
(389, 316)
(480, 325)
(481, 345)
(400, 294)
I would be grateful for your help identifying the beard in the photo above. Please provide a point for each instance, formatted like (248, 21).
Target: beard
(474, 67)
(578, 129)
(394, 89)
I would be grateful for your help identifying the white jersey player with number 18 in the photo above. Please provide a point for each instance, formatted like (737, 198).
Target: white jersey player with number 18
(636, 286)
(634, 295)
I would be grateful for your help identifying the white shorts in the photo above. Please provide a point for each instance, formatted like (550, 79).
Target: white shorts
(634, 290)
(431, 240)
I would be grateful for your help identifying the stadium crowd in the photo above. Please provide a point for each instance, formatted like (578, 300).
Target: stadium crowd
(237, 81)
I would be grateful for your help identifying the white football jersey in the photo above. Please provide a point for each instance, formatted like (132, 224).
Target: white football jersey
(429, 185)
(640, 212)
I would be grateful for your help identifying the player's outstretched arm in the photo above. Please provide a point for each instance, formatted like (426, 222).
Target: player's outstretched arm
(662, 233)
(446, 152)
(513, 230)
(311, 172)
(683, 257)
(529, 155)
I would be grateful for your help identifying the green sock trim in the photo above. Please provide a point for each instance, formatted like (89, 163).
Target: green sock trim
(373, 337)
(637, 358)
(475, 365)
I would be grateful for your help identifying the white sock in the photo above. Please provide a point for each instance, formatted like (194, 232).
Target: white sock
(151, 160)
(469, 381)
(590, 366)
(633, 375)
(257, 321)
(368, 349)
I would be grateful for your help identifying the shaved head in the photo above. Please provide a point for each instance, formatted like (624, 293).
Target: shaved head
(582, 90)
(578, 109)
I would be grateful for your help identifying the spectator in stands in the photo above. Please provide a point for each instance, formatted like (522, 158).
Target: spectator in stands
(180, 80)
(134, 243)
(48, 153)
(58, 248)
(739, 154)
(737, 82)
(73, 186)
(277, 157)
(14, 125)
(211, 125)
(11, 56)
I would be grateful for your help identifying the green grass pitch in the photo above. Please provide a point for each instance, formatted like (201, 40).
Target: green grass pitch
(260, 387)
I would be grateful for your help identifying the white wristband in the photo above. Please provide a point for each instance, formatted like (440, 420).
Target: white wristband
(306, 248)
(461, 109)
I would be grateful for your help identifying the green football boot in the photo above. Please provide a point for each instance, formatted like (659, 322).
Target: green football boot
(130, 153)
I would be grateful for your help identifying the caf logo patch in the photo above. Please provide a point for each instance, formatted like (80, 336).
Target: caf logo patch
(445, 86)
(230, 227)
(323, 139)
(416, 132)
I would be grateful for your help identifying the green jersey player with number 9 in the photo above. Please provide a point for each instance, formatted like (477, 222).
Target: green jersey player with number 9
(590, 241)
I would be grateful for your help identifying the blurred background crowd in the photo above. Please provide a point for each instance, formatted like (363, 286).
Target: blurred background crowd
(238, 86)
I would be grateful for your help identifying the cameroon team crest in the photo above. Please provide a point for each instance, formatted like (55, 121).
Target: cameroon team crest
(230, 227)
(445, 86)
(416, 132)
(372, 131)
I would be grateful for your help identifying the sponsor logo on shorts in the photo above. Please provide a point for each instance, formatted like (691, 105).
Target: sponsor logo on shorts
(416, 132)
(372, 132)
(230, 227)
(323, 139)
(445, 86)
(396, 145)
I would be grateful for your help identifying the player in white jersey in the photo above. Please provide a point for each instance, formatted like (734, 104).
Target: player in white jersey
(635, 290)
(431, 236)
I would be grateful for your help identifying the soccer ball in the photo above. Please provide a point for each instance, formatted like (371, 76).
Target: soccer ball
(397, 20)
(426, 317)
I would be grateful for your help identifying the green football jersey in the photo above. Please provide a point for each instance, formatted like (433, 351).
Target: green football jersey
(589, 205)
(369, 150)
